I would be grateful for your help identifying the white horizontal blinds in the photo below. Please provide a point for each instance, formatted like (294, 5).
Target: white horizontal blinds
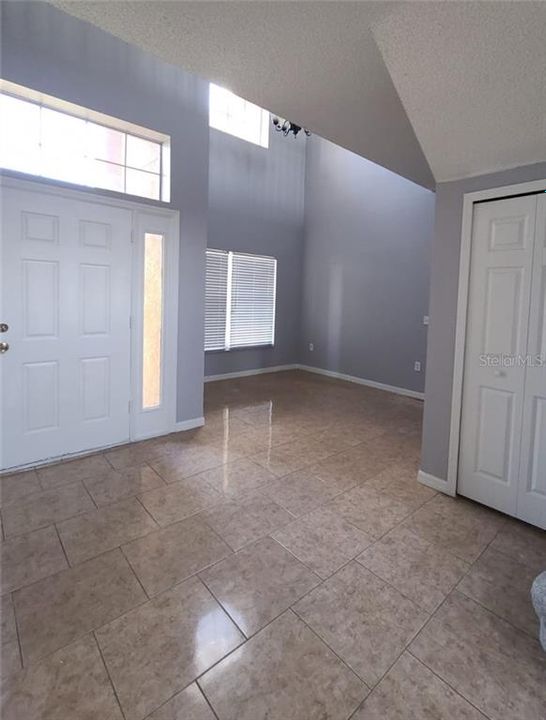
(253, 279)
(216, 300)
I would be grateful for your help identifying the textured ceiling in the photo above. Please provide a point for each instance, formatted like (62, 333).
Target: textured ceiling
(315, 63)
(471, 77)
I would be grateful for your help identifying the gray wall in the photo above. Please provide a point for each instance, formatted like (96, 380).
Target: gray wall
(367, 238)
(57, 54)
(256, 206)
(443, 307)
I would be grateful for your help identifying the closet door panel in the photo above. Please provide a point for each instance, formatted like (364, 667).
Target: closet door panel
(497, 334)
(531, 505)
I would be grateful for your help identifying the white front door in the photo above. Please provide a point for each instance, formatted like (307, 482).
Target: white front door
(532, 487)
(66, 297)
(497, 329)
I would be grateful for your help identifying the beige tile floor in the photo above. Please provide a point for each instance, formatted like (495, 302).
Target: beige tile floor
(282, 562)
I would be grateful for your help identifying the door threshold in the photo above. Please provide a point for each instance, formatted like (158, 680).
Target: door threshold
(96, 451)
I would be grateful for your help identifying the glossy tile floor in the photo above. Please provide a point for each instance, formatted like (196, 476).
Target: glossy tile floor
(282, 562)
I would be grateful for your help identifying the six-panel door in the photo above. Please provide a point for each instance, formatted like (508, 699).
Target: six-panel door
(502, 460)
(66, 285)
(497, 332)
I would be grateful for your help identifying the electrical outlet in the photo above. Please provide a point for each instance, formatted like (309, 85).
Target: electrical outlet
(417, 366)
(311, 347)
(426, 320)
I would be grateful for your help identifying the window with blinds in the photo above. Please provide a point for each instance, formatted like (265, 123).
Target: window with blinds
(240, 300)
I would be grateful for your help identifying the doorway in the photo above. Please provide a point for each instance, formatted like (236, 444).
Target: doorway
(89, 306)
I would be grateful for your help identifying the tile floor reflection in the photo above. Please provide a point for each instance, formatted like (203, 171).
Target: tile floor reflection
(280, 563)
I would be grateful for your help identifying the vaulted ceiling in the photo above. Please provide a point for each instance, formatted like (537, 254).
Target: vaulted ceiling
(431, 90)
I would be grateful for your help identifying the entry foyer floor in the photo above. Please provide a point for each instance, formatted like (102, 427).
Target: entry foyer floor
(282, 562)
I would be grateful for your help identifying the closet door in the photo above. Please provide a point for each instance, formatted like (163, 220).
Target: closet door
(532, 487)
(497, 331)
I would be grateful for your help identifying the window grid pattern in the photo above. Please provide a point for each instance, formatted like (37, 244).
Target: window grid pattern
(232, 114)
(38, 140)
(240, 300)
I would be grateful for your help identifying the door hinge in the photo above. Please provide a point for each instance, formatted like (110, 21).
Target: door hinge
(130, 323)
(129, 407)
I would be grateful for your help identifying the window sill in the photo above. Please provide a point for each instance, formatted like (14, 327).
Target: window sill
(269, 346)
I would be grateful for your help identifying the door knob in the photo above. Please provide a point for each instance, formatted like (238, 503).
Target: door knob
(4, 327)
(4, 347)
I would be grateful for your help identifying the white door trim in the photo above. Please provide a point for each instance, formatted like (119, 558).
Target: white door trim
(90, 195)
(462, 308)
(171, 280)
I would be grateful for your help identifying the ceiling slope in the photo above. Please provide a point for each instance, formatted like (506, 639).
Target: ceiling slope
(316, 63)
(472, 77)
(456, 87)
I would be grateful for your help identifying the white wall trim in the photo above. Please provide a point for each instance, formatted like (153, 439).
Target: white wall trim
(189, 424)
(434, 482)
(255, 371)
(33, 183)
(362, 381)
(319, 371)
(469, 199)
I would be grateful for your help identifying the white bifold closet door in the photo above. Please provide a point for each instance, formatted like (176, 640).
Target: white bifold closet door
(66, 297)
(531, 505)
(502, 459)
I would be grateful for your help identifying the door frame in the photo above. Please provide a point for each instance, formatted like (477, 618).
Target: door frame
(171, 297)
(450, 486)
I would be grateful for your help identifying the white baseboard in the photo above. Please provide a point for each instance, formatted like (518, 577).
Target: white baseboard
(319, 371)
(362, 381)
(247, 373)
(189, 424)
(434, 482)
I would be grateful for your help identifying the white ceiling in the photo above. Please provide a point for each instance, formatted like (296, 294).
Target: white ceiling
(458, 88)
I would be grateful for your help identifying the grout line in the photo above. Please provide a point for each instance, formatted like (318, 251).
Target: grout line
(105, 455)
(221, 604)
(84, 486)
(88, 631)
(17, 630)
(108, 674)
(134, 573)
(478, 602)
(62, 547)
(158, 526)
(419, 608)
(496, 614)
(323, 641)
(200, 689)
(290, 608)
(443, 680)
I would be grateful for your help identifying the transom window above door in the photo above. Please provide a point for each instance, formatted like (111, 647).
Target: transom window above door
(240, 300)
(47, 137)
